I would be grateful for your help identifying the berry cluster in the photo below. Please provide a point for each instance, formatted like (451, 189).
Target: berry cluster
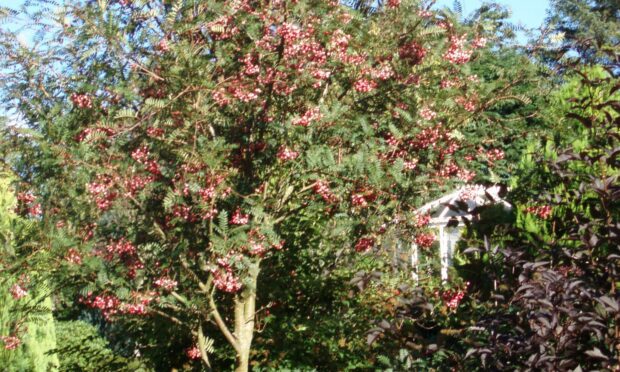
(425, 239)
(311, 115)
(10, 342)
(239, 218)
(365, 85)
(412, 52)
(17, 291)
(166, 283)
(542, 211)
(81, 100)
(193, 352)
(452, 299)
(321, 187)
(73, 256)
(285, 154)
(364, 244)
(102, 191)
(457, 53)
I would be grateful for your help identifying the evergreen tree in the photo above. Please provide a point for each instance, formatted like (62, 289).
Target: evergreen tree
(26, 325)
(588, 28)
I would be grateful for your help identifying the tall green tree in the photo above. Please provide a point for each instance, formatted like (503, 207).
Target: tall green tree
(587, 29)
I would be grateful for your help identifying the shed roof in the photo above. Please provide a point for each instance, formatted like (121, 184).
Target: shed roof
(472, 195)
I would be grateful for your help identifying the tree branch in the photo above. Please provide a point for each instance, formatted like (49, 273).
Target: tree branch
(222, 325)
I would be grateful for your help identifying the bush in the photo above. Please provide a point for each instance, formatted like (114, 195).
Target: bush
(82, 348)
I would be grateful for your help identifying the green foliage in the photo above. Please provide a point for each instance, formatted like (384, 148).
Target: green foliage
(252, 160)
(80, 347)
(586, 30)
(29, 319)
(558, 260)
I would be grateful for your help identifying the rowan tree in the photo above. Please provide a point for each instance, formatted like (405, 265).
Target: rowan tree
(179, 147)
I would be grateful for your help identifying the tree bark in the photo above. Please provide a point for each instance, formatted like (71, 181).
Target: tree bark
(245, 309)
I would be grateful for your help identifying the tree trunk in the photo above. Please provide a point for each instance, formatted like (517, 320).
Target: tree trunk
(245, 309)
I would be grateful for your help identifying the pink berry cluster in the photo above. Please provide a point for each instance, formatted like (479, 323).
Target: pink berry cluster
(321, 187)
(134, 309)
(358, 200)
(166, 283)
(119, 248)
(286, 154)
(73, 256)
(465, 175)
(155, 132)
(184, 212)
(163, 46)
(382, 72)
(107, 304)
(102, 191)
(258, 245)
(251, 68)
(238, 89)
(424, 239)
(492, 155)
(412, 52)
(434, 137)
(136, 183)
(364, 244)
(125, 252)
(301, 49)
(479, 42)
(339, 44)
(193, 352)
(469, 104)
(224, 279)
(425, 13)
(542, 211)
(365, 85)
(450, 83)
(457, 53)
(453, 299)
(222, 28)
(17, 291)
(10, 342)
(310, 116)
(422, 220)
(431, 136)
(239, 218)
(88, 133)
(26, 197)
(81, 100)
(468, 193)
(29, 201)
(110, 305)
(451, 169)
(140, 304)
(203, 189)
(405, 150)
(142, 156)
(427, 114)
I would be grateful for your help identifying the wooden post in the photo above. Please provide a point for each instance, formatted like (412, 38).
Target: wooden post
(414, 263)
(443, 254)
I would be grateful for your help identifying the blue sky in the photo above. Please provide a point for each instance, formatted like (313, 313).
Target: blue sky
(530, 13)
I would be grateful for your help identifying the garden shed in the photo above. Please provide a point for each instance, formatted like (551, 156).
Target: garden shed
(447, 214)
